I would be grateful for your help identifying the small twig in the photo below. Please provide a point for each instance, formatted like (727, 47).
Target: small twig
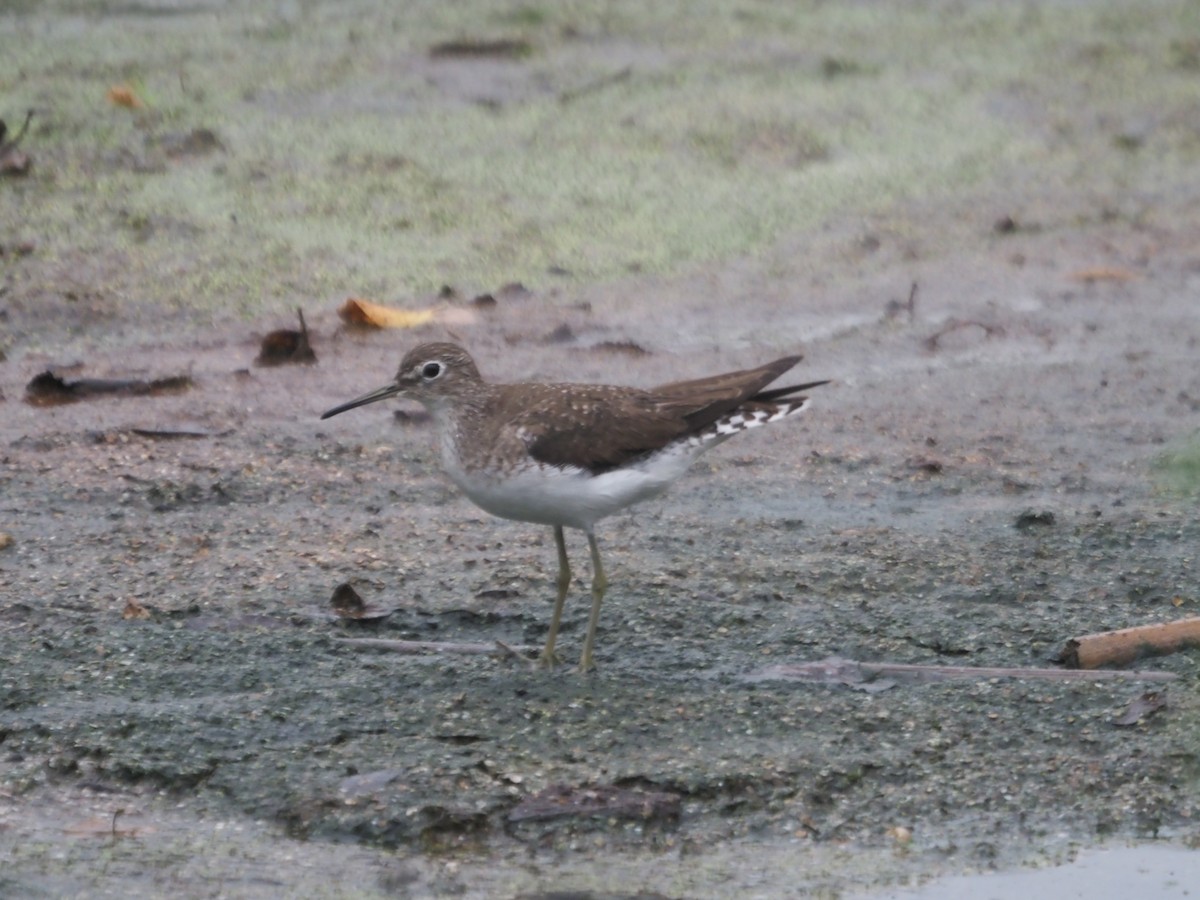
(595, 85)
(11, 144)
(895, 307)
(948, 673)
(412, 647)
(848, 671)
(1117, 648)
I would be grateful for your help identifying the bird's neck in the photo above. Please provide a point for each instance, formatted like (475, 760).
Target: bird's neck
(453, 412)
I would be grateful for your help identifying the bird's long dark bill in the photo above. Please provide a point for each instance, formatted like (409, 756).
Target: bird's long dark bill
(382, 393)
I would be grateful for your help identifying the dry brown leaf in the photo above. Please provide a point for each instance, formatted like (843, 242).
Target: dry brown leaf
(1141, 708)
(50, 389)
(134, 610)
(1103, 273)
(347, 604)
(357, 311)
(124, 95)
(287, 346)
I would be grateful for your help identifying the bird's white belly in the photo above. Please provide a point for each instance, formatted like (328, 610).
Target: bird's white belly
(568, 496)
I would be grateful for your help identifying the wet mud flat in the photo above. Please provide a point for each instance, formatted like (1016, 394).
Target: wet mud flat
(170, 652)
(671, 749)
(1007, 457)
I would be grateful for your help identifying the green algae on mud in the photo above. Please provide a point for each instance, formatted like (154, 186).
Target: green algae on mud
(351, 161)
(1179, 469)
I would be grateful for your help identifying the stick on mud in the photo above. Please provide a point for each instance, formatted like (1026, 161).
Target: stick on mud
(1119, 648)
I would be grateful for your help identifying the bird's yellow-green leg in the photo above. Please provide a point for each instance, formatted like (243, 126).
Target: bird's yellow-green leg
(549, 658)
(599, 586)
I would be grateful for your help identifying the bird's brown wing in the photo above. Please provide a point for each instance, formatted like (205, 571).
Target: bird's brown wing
(600, 427)
(594, 427)
(702, 401)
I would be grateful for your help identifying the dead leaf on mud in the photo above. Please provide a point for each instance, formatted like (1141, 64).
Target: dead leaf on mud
(1033, 518)
(1141, 708)
(12, 161)
(894, 308)
(6, 540)
(1103, 273)
(925, 466)
(348, 604)
(174, 434)
(287, 346)
(134, 610)
(598, 801)
(503, 47)
(1006, 224)
(49, 389)
(460, 739)
(124, 95)
(367, 314)
(625, 348)
(512, 291)
(562, 334)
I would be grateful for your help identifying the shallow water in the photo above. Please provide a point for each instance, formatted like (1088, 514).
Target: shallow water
(1150, 871)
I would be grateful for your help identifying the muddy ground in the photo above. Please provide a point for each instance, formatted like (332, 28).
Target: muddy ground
(1006, 464)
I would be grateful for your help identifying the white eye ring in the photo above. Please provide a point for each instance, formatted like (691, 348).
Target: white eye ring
(432, 370)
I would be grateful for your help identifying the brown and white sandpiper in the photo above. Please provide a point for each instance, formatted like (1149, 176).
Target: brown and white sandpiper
(567, 455)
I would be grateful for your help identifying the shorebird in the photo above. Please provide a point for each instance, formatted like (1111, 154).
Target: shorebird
(568, 455)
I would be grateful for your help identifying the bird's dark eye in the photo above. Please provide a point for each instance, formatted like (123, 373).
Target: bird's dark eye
(431, 370)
